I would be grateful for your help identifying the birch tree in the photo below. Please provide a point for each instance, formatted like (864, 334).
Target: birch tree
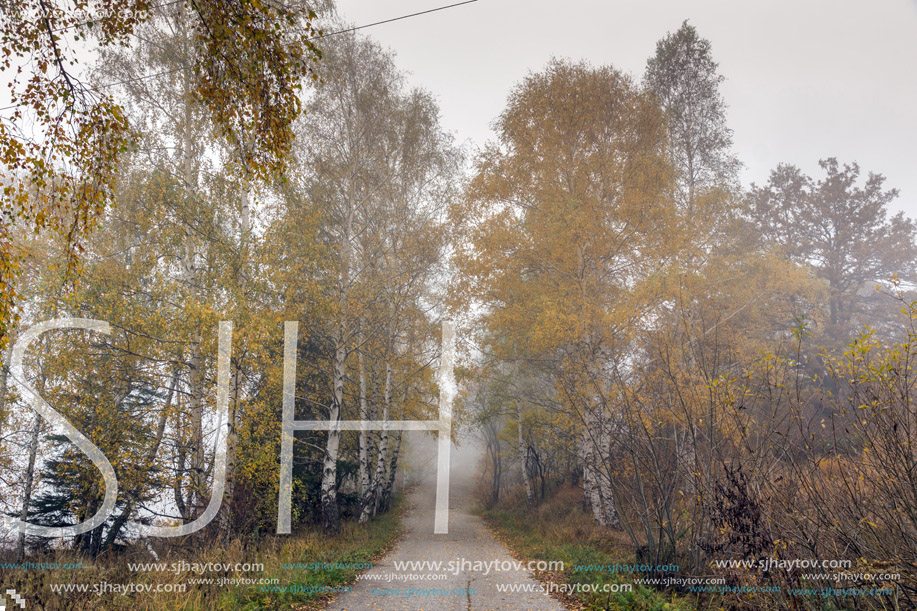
(377, 167)
(573, 221)
(683, 77)
(250, 59)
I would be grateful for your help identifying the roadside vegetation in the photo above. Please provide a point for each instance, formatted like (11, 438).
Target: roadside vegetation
(559, 530)
(287, 562)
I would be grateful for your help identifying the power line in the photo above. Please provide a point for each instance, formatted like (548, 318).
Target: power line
(361, 27)
(369, 25)
(354, 29)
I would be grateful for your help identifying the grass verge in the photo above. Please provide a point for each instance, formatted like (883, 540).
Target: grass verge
(98, 584)
(307, 588)
(558, 529)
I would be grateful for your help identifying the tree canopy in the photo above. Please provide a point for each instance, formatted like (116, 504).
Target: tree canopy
(64, 137)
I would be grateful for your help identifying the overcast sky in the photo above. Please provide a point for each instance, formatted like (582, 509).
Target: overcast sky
(805, 79)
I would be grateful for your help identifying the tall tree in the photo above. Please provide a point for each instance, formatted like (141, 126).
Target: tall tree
(345, 143)
(683, 77)
(379, 167)
(571, 223)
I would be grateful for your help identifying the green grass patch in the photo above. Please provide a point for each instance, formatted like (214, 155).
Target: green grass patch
(558, 530)
(357, 544)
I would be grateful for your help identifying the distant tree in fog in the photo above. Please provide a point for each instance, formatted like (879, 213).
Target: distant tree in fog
(840, 228)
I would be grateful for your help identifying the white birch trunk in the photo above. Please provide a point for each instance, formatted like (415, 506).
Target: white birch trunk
(596, 474)
(331, 520)
(365, 490)
(191, 277)
(4, 376)
(29, 484)
(379, 477)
